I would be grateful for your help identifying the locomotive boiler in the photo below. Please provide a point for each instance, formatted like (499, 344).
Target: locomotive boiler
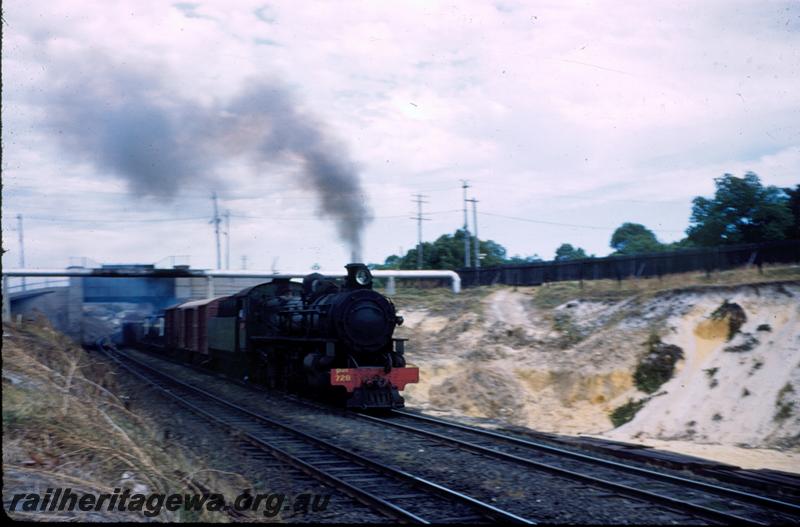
(328, 338)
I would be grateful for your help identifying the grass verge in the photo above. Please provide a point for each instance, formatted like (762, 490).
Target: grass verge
(66, 425)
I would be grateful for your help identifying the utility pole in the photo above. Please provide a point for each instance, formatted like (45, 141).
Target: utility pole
(216, 221)
(475, 223)
(419, 201)
(465, 186)
(227, 239)
(244, 262)
(21, 248)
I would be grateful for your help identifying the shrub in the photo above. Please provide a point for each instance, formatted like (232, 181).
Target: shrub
(735, 315)
(757, 364)
(785, 408)
(570, 334)
(749, 342)
(621, 415)
(657, 366)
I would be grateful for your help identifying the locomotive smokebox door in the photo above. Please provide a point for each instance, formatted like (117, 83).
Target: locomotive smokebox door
(358, 276)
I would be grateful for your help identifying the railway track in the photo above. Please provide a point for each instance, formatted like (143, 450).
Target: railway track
(701, 499)
(394, 493)
(706, 500)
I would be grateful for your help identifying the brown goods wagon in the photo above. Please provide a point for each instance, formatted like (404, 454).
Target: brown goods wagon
(180, 329)
(171, 327)
(189, 336)
(207, 311)
(195, 317)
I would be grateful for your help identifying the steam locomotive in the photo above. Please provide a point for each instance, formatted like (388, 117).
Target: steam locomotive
(325, 338)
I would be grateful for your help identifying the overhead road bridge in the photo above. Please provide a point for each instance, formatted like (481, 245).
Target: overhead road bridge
(155, 286)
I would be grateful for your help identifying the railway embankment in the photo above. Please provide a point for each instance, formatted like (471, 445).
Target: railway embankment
(705, 365)
(70, 423)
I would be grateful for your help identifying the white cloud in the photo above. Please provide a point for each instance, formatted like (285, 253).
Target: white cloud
(590, 114)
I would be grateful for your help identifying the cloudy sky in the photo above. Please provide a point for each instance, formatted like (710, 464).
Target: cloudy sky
(567, 118)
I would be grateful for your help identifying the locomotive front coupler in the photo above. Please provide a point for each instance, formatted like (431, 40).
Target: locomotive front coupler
(376, 383)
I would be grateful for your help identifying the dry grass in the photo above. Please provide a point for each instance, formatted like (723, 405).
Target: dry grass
(554, 294)
(442, 300)
(65, 426)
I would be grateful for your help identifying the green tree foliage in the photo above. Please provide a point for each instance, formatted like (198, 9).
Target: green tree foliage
(567, 252)
(634, 238)
(447, 252)
(520, 260)
(684, 243)
(794, 207)
(741, 211)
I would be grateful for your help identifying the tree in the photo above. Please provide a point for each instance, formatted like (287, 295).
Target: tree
(567, 252)
(495, 254)
(447, 252)
(521, 260)
(684, 243)
(634, 238)
(391, 262)
(741, 211)
(794, 206)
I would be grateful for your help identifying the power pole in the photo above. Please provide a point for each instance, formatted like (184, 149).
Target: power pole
(419, 201)
(21, 248)
(475, 223)
(465, 186)
(216, 221)
(227, 239)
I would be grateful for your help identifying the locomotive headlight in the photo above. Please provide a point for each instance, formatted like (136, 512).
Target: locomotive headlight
(363, 277)
(358, 276)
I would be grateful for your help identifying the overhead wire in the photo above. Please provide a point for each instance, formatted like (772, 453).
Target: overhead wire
(282, 190)
(315, 217)
(111, 220)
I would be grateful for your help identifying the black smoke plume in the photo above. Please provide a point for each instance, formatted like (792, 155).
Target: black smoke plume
(126, 123)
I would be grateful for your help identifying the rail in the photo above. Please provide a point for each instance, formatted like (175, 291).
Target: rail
(390, 491)
(673, 491)
(676, 492)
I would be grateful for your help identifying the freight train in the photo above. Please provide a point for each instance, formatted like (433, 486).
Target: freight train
(326, 338)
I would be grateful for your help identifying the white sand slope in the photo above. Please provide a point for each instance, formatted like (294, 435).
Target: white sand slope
(566, 369)
(724, 396)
